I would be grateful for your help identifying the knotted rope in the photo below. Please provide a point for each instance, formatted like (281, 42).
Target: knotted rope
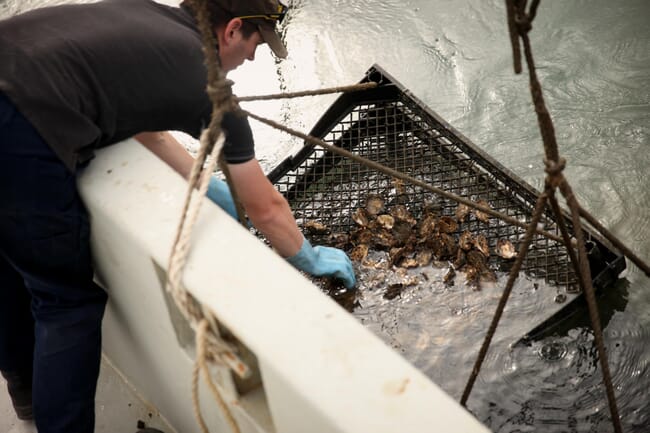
(210, 348)
(519, 24)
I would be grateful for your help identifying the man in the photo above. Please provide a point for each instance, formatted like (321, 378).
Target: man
(77, 77)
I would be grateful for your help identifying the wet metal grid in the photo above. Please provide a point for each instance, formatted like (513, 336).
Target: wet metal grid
(394, 129)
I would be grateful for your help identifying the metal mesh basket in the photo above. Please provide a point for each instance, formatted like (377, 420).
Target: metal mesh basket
(390, 126)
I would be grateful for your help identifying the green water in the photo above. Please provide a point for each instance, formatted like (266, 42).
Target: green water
(593, 61)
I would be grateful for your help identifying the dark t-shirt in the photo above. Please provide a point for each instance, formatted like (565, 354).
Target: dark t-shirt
(89, 75)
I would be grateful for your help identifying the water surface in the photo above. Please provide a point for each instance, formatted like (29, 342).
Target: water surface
(593, 61)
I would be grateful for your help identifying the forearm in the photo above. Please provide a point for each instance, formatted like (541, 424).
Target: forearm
(279, 227)
(266, 207)
(167, 148)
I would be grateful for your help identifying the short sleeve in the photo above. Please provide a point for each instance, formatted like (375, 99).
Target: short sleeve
(239, 146)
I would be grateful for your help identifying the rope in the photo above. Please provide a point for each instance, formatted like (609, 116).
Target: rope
(212, 139)
(203, 356)
(555, 179)
(397, 174)
(210, 348)
(326, 91)
(512, 277)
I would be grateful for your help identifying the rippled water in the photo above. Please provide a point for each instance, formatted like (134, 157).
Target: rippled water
(593, 60)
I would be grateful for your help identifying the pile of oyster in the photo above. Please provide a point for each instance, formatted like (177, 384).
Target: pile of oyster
(411, 243)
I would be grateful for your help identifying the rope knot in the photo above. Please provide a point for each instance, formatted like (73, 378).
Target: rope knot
(221, 94)
(523, 22)
(554, 170)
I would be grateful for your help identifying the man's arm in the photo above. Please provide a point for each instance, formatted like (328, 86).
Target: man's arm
(167, 148)
(266, 207)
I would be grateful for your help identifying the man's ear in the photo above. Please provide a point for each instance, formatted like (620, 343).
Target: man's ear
(233, 26)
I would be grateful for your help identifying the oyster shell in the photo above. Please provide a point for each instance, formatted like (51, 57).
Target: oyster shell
(450, 245)
(462, 211)
(400, 213)
(409, 263)
(447, 224)
(477, 261)
(461, 259)
(362, 236)
(315, 228)
(473, 277)
(505, 249)
(339, 240)
(374, 205)
(480, 215)
(401, 232)
(360, 217)
(359, 252)
(423, 257)
(397, 254)
(481, 244)
(427, 226)
(466, 241)
(384, 238)
(386, 221)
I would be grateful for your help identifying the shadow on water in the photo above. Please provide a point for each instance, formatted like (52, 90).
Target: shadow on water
(610, 300)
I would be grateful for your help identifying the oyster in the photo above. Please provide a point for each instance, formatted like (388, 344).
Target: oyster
(409, 263)
(481, 244)
(362, 236)
(359, 252)
(316, 228)
(473, 277)
(384, 238)
(386, 221)
(480, 215)
(423, 257)
(447, 224)
(374, 205)
(449, 244)
(461, 212)
(427, 226)
(401, 232)
(339, 240)
(461, 259)
(466, 241)
(400, 213)
(477, 261)
(360, 216)
(505, 249)
(397, 254)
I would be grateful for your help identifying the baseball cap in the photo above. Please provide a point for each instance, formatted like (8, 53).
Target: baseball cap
(263, 13)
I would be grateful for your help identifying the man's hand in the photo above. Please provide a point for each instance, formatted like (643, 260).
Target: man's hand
(324, 261)
(219, 193)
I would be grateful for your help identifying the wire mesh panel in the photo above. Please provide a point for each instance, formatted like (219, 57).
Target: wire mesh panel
(389, 126)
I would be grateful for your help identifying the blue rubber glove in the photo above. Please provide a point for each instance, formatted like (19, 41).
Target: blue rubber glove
(219, 193)
(324, 261)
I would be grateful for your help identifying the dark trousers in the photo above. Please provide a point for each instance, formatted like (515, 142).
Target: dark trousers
(50, 309)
